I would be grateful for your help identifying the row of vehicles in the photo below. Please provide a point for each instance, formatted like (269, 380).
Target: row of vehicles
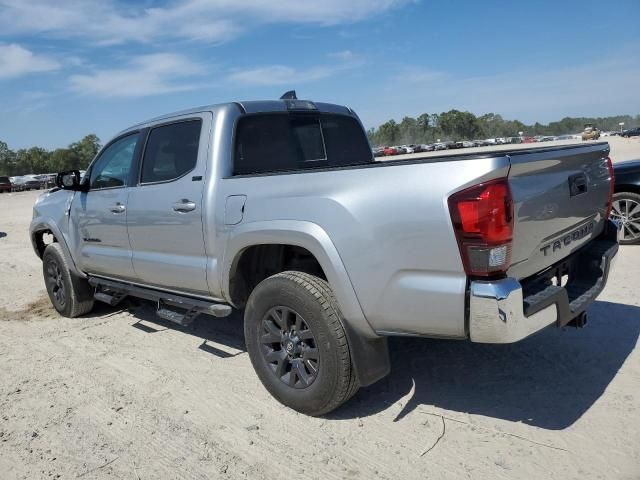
(590, 133)
(386, 151)
(26, 182)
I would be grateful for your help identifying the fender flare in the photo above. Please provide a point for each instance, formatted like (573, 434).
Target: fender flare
(369, 351)
(44, 223)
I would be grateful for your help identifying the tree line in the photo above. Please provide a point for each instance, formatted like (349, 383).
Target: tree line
(36, 160)
(456, 125)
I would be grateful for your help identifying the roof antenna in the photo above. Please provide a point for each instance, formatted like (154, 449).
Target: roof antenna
(290, 95)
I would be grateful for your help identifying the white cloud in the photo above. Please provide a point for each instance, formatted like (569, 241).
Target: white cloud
(109, 22)
(16, 61)
(344, 55)
(145, 75)
(273, 75)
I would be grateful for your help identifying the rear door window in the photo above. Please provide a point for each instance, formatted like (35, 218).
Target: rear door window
(284, 141)
(171, 151)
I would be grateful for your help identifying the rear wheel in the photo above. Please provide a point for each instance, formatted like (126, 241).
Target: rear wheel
(68, 296)
(297, 343)
(626, 212)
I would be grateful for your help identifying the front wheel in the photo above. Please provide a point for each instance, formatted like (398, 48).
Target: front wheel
(297, 343)
(625, 211)
(66, 296)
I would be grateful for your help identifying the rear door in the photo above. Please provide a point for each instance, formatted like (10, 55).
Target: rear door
(100, 214)
(165, 208)
(560, 202)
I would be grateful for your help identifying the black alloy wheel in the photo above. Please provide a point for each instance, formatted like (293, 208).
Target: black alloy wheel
(55, 283)
(289, 347)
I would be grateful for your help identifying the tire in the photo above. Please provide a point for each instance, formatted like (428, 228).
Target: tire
(69, 296)
(626, 211)
(297, 312)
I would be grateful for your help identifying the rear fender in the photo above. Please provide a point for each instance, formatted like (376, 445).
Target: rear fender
(368, 350)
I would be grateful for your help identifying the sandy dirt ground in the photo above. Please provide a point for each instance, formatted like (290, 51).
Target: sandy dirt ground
(120, 394)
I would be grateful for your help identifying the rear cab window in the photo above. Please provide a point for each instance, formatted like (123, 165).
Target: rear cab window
(276, 142)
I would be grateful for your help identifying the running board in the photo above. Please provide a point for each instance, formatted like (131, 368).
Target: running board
(113, 292)
(112, 299)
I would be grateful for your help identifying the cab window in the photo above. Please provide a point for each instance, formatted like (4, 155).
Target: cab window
(112, 168)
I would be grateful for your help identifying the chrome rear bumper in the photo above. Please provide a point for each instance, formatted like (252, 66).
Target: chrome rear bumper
(501, 312)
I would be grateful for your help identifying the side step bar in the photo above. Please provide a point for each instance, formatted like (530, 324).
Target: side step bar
(112, 292)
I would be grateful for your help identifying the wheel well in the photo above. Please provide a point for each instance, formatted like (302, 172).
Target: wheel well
(627, 188)
(258, 262)
(42, 238)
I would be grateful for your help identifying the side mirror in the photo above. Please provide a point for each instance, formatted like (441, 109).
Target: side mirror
(69, 180)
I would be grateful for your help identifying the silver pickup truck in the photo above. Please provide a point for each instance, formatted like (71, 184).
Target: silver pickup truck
(278, 208)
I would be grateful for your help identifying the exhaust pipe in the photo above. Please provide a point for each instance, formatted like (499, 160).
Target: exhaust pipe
(579, 322)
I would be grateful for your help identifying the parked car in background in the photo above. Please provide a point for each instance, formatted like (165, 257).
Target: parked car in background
(18, 183)
(632, 132)
(378, 152)
(625, 209)
(407, 149)
(439, 146)
(388, 151)
(501, 141)
(32, 182)
(529, 140)
(427, 147)
(5, 184)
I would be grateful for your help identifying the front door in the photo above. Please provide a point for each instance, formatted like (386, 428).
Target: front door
(165, 208)
(100, 214)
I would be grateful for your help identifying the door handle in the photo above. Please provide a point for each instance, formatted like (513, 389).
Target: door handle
(184, 205)
(118, 208)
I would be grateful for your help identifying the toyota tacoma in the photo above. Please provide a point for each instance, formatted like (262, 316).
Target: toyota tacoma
(278, 208)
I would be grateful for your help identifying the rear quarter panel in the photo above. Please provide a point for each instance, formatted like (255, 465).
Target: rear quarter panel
(391, 227)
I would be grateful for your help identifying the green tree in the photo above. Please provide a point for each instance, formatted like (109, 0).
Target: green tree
(408, 130)
(86, 149)
(389, 132)
(63, 159)
(459, 125)
(7, 160)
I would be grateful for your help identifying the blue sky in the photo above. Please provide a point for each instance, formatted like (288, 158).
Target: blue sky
(72, 67)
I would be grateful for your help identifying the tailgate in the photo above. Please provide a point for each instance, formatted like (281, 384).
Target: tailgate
(560, 200)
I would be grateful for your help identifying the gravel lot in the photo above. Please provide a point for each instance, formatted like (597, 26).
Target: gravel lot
(119, 394)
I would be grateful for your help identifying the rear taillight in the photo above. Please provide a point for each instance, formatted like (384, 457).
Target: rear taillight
(483, 222)
(612, 184)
